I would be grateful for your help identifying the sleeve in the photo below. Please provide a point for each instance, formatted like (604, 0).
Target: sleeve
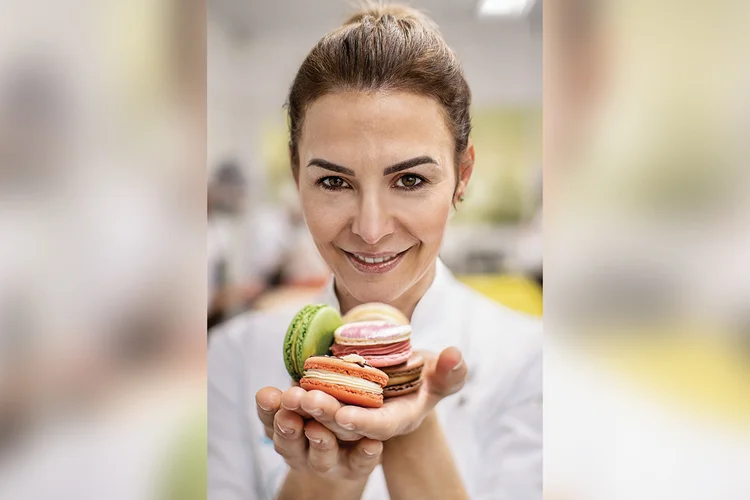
(513, 455)
(230, 461)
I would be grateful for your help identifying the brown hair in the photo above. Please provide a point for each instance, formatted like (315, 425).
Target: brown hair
(383, 48)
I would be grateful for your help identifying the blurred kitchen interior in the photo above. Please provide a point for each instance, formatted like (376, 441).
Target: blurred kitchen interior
(260, 254)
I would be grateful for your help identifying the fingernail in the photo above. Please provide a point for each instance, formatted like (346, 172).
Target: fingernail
(315, 413)
(314, 440)
(369, 453)
(267, 410)
(349, 427)
(286, 432)
(458, 365)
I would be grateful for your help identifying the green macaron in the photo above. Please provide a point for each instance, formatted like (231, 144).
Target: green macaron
(310, 334)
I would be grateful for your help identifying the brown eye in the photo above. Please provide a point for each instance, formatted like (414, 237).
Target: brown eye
(334, 183)
(409, 181)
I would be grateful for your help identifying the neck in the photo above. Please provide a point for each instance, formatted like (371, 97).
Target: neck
(406, 303)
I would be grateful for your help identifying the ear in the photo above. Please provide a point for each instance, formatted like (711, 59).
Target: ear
(465, 169)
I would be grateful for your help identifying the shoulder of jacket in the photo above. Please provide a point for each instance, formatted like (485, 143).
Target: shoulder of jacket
(242, 327)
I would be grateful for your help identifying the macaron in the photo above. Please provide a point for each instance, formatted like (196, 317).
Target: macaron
(379, 342)
(376, 311)
(404, 378)
(350, 380)
(309, 334)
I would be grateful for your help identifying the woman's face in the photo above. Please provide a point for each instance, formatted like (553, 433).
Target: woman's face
(376, 181)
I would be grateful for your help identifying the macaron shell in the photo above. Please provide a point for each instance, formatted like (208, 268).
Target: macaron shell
(315, 336)
(335, 365)
(404, 378)
(376, 311)
(402, 389)
(390, 360)
(406, 372)
(290, 340)
(344, 394)
(371, 333)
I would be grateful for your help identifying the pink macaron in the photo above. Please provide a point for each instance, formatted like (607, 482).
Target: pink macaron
(381, 343)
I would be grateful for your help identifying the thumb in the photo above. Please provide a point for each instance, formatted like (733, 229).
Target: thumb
(449, 374)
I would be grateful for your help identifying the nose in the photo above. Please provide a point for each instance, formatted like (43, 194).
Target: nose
(372, 222)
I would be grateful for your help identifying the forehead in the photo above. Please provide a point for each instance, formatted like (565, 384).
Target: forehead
(348, 126)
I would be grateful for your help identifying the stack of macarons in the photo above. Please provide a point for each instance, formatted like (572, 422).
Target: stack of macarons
(371, 347)
(381, 334)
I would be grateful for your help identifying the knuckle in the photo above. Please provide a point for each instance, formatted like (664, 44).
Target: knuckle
(324, 447)
(320, 467)
(279, 449)
(348, 436)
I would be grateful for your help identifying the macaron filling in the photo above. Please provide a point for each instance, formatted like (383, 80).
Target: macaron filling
(329, 377)
(402, 379)
(371, 350)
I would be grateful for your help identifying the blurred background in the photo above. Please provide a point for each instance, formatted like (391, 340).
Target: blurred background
(646, 357)
(260, 253)
(102, 185)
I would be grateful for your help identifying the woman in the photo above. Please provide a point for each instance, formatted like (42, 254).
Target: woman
(380, 151)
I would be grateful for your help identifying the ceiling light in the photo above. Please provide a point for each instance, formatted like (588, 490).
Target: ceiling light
(488, 8)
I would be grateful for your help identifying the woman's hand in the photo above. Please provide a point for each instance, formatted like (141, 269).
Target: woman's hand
(443, 376)
(309, 447)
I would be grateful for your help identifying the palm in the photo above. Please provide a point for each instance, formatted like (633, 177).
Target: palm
(397, 416)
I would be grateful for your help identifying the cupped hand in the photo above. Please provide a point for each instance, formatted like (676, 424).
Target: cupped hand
(442, 376)
(308, 446)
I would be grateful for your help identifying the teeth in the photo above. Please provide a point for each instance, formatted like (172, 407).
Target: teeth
(377, 260)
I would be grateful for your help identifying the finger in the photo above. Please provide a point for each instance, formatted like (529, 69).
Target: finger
(380, 424)
(291, 400)
(323, 454)
(449, 374)
(289, 439)
(364, 457)
(267, 402)
(323, 408)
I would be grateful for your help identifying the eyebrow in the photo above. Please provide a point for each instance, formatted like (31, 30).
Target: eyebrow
(420, 160)
(398, 167)
(330, 166)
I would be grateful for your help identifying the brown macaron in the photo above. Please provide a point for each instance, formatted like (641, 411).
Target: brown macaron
(404, 378)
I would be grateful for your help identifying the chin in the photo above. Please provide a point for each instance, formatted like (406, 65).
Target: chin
(381, 290)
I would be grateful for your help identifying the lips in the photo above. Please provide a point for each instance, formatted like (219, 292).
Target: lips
(375, 263)
(375, 260)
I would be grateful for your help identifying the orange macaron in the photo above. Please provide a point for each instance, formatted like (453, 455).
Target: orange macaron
(349, 379)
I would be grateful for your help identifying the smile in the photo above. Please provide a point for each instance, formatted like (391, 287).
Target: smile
(374, 260)
(375, 263)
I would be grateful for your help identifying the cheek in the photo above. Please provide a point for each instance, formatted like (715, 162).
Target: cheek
(427, 220)
(323, 219)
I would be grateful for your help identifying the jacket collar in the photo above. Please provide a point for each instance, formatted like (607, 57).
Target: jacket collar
(425, 317)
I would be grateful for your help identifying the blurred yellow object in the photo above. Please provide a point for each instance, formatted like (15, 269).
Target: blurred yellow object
(516, 292)
(703, 371)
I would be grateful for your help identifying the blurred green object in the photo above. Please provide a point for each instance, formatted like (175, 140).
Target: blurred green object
(508, 149)
(516, 292)
(186, 475)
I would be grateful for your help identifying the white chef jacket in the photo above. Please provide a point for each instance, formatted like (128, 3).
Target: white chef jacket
(493, 425)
